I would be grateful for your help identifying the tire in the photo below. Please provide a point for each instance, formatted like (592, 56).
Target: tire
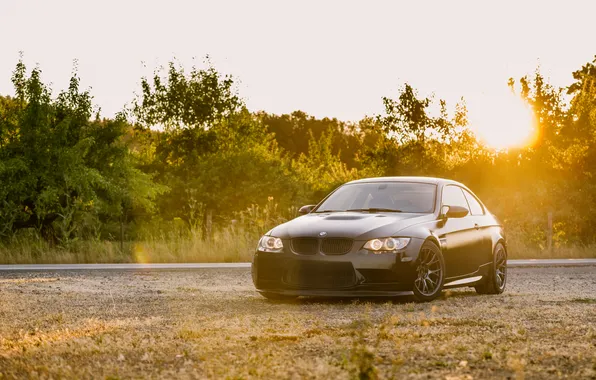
(277, 296)
(430, 273)
(497, 276)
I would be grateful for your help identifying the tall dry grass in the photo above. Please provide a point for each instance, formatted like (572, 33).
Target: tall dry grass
(226, 246)
(233, 241)
(518, 247)
(156, 241)
(223, 247)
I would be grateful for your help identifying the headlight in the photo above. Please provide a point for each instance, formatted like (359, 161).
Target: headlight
(386, 244)
(270, 244)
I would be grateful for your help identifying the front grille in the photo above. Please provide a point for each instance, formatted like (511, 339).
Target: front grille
(336, 246)
(305, 246)
(320, 275)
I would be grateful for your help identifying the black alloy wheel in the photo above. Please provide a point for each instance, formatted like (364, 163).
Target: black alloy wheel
(497, 276)
(430, 273)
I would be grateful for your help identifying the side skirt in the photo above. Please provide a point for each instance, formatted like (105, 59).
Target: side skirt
(468, 279)
(462, 282)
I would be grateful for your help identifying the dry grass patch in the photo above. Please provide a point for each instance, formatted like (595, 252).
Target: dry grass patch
(158, 329)
(27, 280)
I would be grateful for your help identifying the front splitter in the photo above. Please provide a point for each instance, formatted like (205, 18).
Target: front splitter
(337, 293)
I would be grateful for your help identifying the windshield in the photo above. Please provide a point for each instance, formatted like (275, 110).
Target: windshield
(382, 197)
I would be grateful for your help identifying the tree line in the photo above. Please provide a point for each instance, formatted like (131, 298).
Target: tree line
(186, 153)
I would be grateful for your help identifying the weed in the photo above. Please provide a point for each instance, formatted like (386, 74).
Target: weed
(584, 300)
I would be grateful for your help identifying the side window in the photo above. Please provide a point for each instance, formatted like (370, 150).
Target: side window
(475, 206)
(453, 196)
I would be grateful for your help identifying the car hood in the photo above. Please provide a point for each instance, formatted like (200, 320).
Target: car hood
(355, 225)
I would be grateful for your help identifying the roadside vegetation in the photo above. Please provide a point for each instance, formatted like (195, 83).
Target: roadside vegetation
(186, 173)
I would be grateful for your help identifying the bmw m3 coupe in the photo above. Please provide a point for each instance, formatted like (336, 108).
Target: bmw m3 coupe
(384, 237)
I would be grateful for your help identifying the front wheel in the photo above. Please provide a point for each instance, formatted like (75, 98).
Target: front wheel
(497, 276)
(430, 273)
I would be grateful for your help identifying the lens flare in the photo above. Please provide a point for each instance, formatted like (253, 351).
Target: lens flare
(503, 121)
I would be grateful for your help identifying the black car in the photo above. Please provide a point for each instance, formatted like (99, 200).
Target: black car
(384, 237)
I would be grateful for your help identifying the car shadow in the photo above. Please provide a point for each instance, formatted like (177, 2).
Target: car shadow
(397, 300)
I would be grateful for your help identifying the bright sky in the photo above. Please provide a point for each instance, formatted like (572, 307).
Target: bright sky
(327, 58)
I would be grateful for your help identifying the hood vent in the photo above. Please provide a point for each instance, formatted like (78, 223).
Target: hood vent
(346, 217)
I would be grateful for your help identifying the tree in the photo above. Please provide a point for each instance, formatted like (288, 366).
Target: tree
(215, 156)
(413, 141)
(61, 172)
(179, 101)
(578, 158)
(321, 170)
(294, 131)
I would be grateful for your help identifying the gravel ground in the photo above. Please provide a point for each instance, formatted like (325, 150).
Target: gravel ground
(211, 323)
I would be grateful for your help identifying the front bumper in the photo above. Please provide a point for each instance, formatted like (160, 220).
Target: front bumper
(356, 273)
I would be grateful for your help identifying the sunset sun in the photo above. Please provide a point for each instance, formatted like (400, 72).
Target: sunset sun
(504, 121)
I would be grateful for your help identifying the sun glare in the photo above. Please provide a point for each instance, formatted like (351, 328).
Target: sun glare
(504, 121)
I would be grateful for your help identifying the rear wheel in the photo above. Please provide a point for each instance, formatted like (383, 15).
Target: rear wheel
(497, 276)
(430, 273)
(277, 296)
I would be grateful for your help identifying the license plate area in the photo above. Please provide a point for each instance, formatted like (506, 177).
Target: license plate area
(320, 275)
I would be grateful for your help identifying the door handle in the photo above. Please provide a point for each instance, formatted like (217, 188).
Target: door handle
(476, 226)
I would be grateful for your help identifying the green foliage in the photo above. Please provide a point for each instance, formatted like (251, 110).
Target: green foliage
(196, 165)
(577, 155)
(212, 153)
(411, 141)
(61, 172)
(295, 131)
(178, 101)
(321, 170)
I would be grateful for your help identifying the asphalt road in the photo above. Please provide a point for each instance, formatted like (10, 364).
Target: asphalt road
(52, 267)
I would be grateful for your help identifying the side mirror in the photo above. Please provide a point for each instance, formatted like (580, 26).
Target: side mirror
(453, 212)
(306, 209)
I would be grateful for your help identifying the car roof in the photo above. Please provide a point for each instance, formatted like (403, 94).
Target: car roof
(431, 180)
